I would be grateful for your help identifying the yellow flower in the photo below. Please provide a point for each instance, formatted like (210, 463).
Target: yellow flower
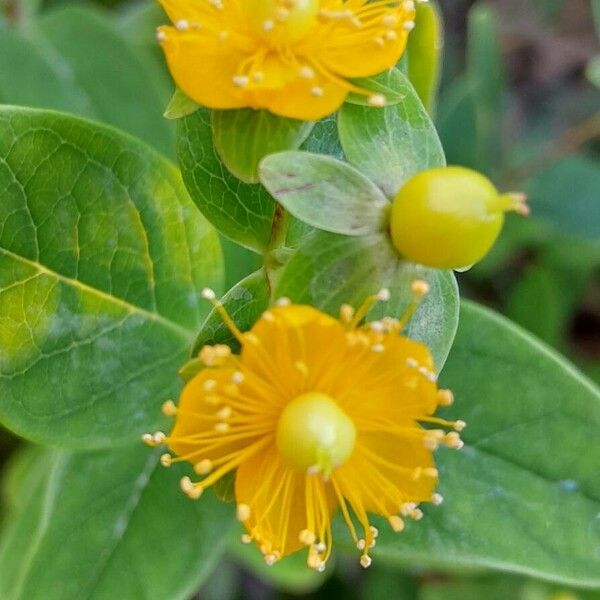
(316, 414)
(291, 57)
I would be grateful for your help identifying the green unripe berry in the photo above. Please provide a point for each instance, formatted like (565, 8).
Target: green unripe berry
(449, 218)
(314, 434)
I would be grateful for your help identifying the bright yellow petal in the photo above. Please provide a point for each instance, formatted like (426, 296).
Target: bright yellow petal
(276, 496)
(364, 59)
(196, 411)
(397, 382)
(382, 473)
(182, 9)
(295, 348)
(377, 44)
(204, 67)
(306, 99)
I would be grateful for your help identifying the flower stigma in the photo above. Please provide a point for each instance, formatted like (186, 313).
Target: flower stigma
(314, 434)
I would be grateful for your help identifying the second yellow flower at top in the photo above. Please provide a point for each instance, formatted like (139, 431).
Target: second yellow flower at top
(294, 58)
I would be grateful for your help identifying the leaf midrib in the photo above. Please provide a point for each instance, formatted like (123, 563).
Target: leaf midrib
(182, 332)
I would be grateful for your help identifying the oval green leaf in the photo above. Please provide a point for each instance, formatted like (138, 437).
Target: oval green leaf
(325, 192)
(242, 212)
(121, 519)
(180, 106)
(242, 138)
(390, 145)
(102, 259)
(524, 494)
(244, 302)
(424, 52)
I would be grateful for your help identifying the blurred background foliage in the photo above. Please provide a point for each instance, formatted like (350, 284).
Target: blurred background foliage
(519, 100)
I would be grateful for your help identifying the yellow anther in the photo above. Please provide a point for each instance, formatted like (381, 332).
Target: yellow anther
(243, 512)
(169, 409)
(396, 523)
(445, 397)
(204, 467)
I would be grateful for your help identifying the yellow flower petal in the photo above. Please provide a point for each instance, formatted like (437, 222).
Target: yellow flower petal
(277, 497)
(296, 66)
(203, 69)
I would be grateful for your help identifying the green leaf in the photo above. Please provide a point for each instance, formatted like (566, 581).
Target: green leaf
(180, 106)
(239, 262)
(566, 195)
(242, 212)
(383, 584)
(390, 145)
(244, 302)
(424, 52)
(488, 79)
(324, 139)
(538, 302)
(325, 193)
(457, 123)
(329, 270)
(378, 85)
(523, 495)
(289, 575)
(20, 474)
(110, 524)
(102, 259)
(496, 587)
(111, 83)
(244, 137)
(27, 77)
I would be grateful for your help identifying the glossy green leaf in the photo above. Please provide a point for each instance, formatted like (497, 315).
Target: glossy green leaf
(324, 139)
(378, 86)
(27, 77)
(244, 302)
(424, 52)
(457, 123)
(242, 212)
(501, 587)
(102, 259)
(329, 270)
(110, 524)
(381, 583)
(239, 262)
(524, 494)
(244, 137)
(325, 193)
(390, 145)
(537, 303)
(180, 106)
(110, 82)
(20, 475)
(566, 195)
(136, 23)
(488, 80)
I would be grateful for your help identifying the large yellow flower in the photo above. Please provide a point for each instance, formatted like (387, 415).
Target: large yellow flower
(292, 57)
(316, 414)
